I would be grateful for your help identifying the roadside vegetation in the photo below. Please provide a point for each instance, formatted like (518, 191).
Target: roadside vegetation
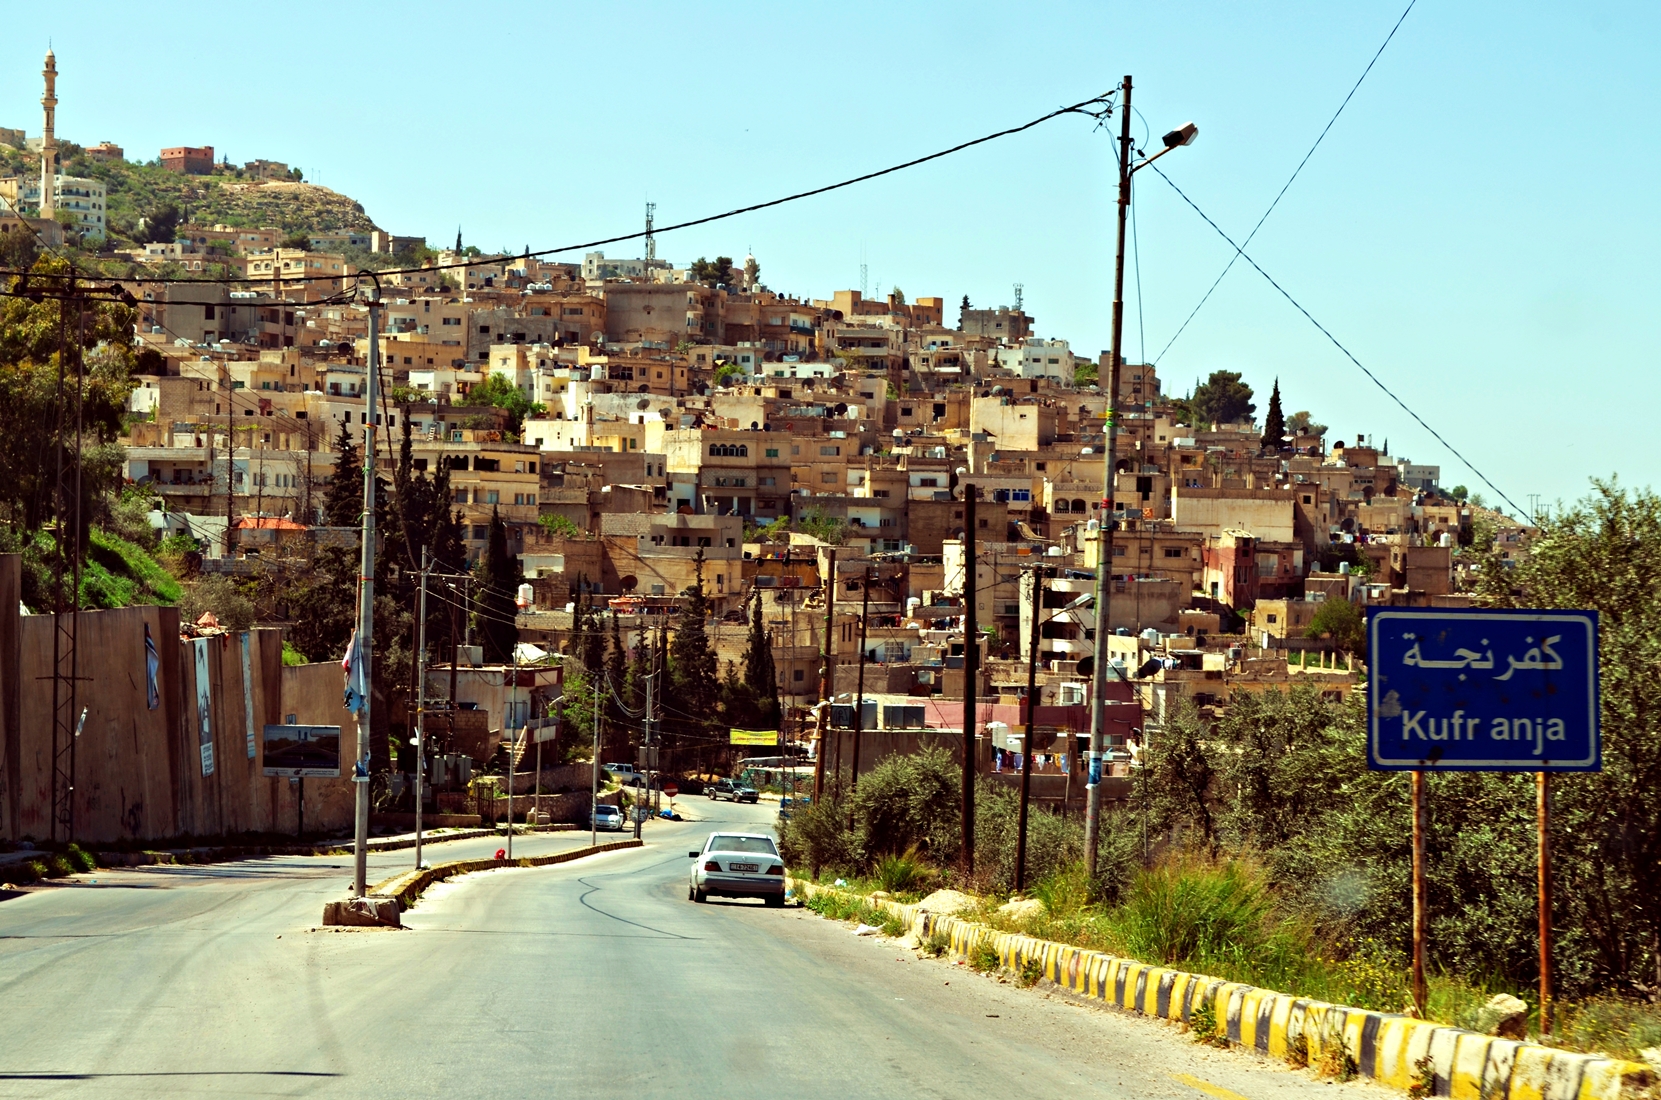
(1259, 848)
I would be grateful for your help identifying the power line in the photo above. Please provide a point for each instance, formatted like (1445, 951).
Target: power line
(1288, 183)
(1375, 379)
(1077, 108)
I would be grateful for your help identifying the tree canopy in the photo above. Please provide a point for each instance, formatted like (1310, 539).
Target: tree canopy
(1221, 399)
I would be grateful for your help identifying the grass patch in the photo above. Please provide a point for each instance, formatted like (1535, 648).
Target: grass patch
(983, 958)
(118, 573)
(1031, 971)
(936, 944)
(1203, 1019)
(81, 859)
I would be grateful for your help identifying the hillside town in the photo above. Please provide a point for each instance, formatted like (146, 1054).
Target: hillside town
(354, 581)
(634, 429)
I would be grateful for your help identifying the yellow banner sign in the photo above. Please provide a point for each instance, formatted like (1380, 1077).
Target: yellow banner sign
(754, 737)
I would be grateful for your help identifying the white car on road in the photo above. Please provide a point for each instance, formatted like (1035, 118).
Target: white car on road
(738, 865)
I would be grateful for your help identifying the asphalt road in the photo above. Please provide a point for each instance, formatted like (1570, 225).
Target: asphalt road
(596, 979)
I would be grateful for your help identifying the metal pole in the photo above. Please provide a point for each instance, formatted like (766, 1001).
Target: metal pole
(646, 740)
(1104, 536)
(1420, 914)
(366, 601)
(1542, 800)
(594, 778)
(421, 705)
(971, 670)
(1026, 755)
(827, 678)
(513, 742)
(859, 690)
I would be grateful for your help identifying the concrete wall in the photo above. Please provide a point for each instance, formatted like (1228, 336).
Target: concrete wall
(138, 771)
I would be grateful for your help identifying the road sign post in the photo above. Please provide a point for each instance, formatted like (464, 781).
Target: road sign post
(1468, 689)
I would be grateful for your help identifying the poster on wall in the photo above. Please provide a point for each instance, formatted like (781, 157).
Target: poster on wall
(204, 707)
(248, 693)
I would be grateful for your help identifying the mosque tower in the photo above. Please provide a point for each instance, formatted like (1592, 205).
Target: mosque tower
(48, 142)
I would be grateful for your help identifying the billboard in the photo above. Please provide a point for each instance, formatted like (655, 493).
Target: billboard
(754, 737)
(1482, 690)
(303, 751)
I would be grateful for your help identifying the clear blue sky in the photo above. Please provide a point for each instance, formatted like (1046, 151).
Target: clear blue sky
(1478, 228)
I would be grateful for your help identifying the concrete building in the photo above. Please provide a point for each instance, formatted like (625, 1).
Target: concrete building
(188, 160)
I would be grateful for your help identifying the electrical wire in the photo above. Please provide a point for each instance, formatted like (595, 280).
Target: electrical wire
(1294, 176)
(1347, 354)
(1082, 107)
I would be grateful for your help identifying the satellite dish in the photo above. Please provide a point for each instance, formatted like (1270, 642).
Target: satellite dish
(841, 408)
(643, 404)
(629, 583)
(1087, 664)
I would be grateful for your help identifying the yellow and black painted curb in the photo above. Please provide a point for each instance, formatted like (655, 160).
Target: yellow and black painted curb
(1385, 1047)
(407, 887)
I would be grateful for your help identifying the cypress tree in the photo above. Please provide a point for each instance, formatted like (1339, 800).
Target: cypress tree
(760, 676)
(1274, 424)
(499, 578)
(343, 503)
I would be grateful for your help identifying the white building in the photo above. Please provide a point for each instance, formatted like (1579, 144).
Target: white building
(78, 203)
(1039, 359)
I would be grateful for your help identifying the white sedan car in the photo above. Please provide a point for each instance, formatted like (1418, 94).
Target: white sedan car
(738, 865)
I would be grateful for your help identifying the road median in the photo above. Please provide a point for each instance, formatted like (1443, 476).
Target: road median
(1419, 1056)
(405, 889)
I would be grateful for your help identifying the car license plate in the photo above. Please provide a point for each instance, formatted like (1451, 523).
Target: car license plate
(752, 867)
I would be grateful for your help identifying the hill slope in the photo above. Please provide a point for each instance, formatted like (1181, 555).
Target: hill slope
(138, 190)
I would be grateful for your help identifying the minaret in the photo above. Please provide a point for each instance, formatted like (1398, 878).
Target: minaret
(48, 142)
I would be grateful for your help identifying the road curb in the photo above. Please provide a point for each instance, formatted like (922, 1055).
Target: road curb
(406, 888)
(1383, 1046)
(224, 853)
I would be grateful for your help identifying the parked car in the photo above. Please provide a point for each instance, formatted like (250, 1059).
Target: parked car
(743, 792)
(737, 865)
(625, 774)
(608, 818)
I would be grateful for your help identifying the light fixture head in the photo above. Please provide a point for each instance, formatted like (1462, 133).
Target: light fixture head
(1182, 135)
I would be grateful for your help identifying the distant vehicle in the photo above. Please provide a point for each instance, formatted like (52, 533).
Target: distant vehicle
(731, 791)
(608, 817)
(738, 865)
(625, 774)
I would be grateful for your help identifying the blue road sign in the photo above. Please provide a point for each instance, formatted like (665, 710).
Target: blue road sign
(1479, 690)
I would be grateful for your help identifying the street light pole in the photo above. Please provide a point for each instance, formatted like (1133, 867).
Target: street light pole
(1104, 533)
(1183, 135)
(421, 703)
(366, 604)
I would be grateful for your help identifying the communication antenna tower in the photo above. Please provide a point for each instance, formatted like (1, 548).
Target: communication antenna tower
(1018, 288)
(651, 241)
(864, 274)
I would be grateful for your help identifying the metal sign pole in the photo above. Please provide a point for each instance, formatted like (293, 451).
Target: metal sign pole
(1542, 799)
(1420, 914)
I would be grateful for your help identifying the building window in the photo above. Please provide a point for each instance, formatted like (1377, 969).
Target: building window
(491, 496)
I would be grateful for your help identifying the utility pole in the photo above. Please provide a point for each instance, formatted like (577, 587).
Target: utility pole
(827, 679)
(230, 454)
(366, 600)
(594, 778)
(971, 670)
(421, 704)
(1104, 534)
(646, 740)
(1026, 754)
(513, 742)
(859, 691)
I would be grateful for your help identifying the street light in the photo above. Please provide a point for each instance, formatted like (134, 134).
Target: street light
(1176, 139)
(1038, 620)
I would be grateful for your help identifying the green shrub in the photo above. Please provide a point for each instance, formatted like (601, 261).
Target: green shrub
(936, 944)
(903, 874)
(1190, 911)
(58, 867)
(81, 859)
(1203, 1019)
(1031, 971)
(907, 803)
(983, 957)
